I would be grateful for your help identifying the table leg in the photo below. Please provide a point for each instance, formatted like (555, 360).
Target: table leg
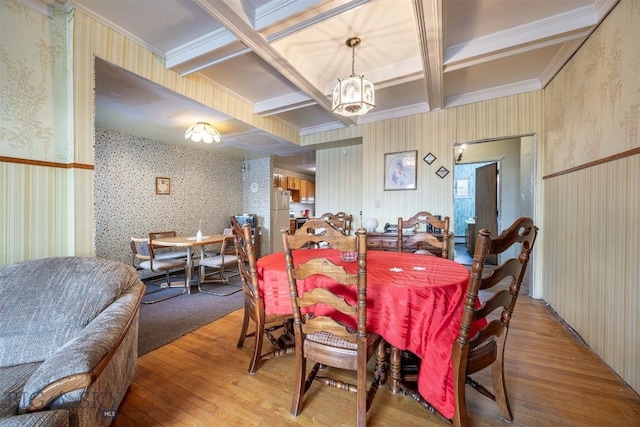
(187, 281)
(394, 368)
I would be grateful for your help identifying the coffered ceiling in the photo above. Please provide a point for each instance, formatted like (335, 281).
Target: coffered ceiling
(285, 57)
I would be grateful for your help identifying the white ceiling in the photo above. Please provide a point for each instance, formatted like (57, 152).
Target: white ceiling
(284, 57)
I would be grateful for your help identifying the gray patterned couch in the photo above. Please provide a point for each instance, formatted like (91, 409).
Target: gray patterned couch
(68, 340)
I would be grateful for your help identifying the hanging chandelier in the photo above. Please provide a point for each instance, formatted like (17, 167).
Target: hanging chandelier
(202, 131)
(353, 95)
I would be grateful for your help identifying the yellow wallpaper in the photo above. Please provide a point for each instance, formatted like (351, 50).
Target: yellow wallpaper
(435, 132)
(591, 269)
(593, 104)
(34, 82)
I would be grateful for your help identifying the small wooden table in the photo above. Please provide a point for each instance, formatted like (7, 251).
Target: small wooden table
(190, 242)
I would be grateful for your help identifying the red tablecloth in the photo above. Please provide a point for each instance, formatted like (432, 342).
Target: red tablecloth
(414, 301)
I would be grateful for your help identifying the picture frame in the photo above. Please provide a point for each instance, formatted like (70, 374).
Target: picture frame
(163, 186)
(461, 188)
(429, 158)
(442, 172)
(400, 170)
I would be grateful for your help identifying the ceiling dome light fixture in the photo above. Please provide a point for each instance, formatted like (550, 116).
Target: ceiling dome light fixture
(202, 131)
(353, 95)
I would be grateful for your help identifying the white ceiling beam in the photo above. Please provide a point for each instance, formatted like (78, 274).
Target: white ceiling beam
(217, 46)
(563, 24)
(428, 15)
(282, 104)
(224, 13)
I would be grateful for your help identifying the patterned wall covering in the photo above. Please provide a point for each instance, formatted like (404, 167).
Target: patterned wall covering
(34, 84)
(592, 110)
(592, 107)
(36, 201)
(259, 171)
(205, 188)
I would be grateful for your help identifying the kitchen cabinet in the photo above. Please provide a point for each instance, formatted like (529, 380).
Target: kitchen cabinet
(293, 183)
(280, 181)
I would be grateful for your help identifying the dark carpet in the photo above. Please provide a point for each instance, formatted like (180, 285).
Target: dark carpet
(168, 320)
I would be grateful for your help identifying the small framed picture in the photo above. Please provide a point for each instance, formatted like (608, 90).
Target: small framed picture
(442, 172)
(163, 186)
(400, 170)
(429, 158)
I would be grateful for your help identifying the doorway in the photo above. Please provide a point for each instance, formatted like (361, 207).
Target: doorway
(514, 185)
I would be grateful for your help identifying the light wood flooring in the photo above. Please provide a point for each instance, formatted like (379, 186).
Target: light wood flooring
(201, 379)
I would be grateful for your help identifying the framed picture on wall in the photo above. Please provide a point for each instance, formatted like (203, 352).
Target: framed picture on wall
(163, 185)
(400, 170)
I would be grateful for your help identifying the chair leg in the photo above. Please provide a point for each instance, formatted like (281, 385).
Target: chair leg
(245, 327)
(184, 290)
(224, 280)
(299, 386)
(257, 350)
(500, 390)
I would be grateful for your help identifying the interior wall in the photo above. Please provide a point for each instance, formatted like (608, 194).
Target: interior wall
(591, 200)
(259, 171)
(205, 190)
(435, 132)
(339, 185)
(38, 170)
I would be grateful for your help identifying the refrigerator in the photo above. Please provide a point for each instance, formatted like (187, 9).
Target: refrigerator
(280, 200)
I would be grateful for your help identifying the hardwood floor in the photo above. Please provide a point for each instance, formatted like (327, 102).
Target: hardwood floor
(201, 379)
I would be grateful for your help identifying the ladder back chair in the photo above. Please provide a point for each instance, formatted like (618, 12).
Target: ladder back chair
(341, 221)
(265, 324)
(486, 348)
(320, 338)
(435, 236)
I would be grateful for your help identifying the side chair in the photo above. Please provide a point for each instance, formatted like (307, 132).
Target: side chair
(487, 347)
(426, 241)
(341, 221)
(319, 337)
(159, 261)
(219, 262)
(265, 324)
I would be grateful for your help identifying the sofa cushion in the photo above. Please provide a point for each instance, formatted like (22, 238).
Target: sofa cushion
(46, 302)
(12, 381)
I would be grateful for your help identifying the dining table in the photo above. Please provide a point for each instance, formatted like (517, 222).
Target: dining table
(191, 242)
(414, 302)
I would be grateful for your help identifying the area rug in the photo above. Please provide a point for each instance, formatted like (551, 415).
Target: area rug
(168, 320)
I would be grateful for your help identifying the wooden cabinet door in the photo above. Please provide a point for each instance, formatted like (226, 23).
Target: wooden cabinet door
(304, 195)
(293, 183)
(311, 192)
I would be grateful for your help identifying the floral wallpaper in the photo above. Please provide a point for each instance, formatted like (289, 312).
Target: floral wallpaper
(35, 103)
(601, 92)
(206, 189)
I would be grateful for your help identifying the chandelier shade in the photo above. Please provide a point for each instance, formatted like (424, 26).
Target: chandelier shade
(202, 131)
(353, 95)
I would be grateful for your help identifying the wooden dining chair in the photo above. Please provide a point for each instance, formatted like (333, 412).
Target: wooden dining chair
(265, 324)
(487, 347)
(341, 221)
(428, 241)
(431, 243)
(320, 337)
(159, 261)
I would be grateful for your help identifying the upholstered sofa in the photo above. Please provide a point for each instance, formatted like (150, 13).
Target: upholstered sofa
(68, 340)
